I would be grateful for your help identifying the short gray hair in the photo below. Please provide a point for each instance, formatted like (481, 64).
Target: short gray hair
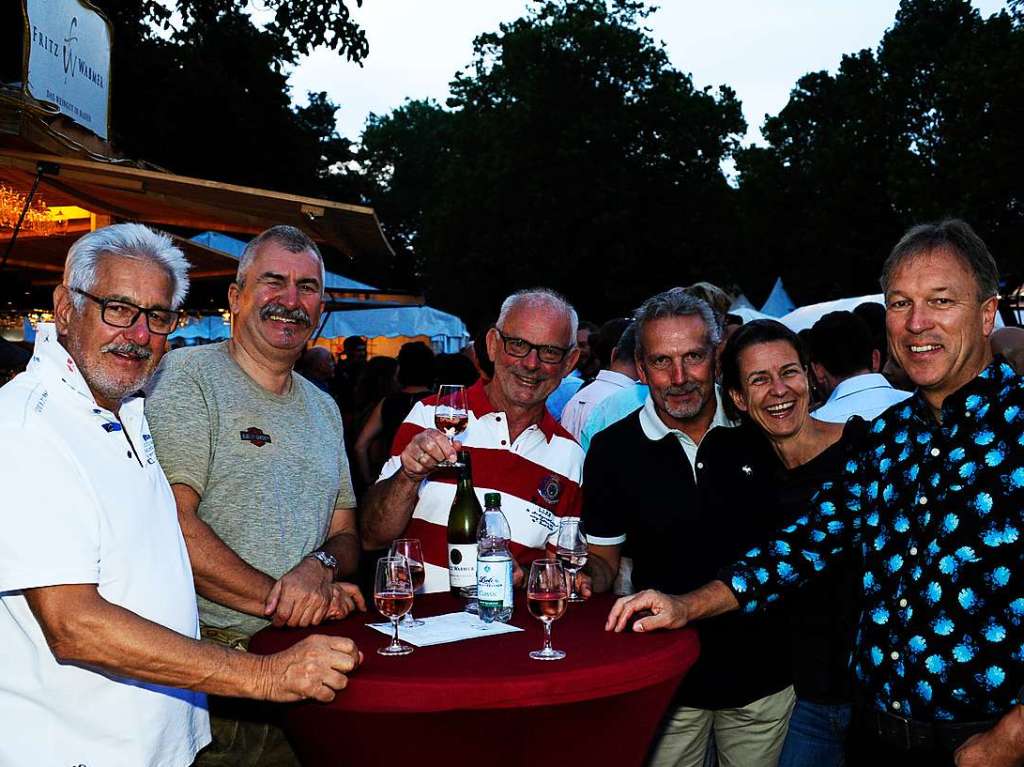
(952, 235)
(133, 241)
(676, 302)
(288, 237)
(543, 297)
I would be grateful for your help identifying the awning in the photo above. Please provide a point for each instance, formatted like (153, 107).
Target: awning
(167, 200)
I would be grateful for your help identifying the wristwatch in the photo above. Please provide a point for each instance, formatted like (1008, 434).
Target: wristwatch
(327, 560)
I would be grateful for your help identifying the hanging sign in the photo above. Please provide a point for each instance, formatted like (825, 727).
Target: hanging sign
(68, 60)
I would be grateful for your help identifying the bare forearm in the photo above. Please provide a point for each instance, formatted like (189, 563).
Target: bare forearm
(386, 510)
(344, 547)
(709, 600)
(87, 629)
(601, 574)
(220, 574)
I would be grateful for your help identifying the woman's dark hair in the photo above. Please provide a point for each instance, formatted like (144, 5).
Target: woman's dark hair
(751, 334)
(415, 364)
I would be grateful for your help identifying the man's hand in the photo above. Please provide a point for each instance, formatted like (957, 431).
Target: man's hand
(425, 451)
(302, 596)
(1002, 746)
(313, 668)
(345, 597)
(584, 585)
(668, 612)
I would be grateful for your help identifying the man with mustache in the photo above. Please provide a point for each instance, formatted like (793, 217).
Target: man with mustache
(519, 449)
(100, 661)
(648, 485)
(255, 456)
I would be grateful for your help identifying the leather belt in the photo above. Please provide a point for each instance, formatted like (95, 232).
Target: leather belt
(910, 734)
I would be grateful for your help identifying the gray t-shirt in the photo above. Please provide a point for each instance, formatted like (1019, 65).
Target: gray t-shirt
(269, 469)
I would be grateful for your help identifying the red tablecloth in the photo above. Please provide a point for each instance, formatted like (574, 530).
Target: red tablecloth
(486, 698)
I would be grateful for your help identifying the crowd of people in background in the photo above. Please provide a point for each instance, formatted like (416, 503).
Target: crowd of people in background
(875, 461)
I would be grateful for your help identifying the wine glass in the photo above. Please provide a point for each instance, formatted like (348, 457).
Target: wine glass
(392, 592)
(411, 549)
(546, 597)
(571, 550)
(450, 413)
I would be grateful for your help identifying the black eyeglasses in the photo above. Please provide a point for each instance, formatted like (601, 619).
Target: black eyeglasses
(517, 347)
(122, 314)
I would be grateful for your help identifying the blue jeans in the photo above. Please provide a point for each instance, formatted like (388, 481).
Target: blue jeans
(817, 735)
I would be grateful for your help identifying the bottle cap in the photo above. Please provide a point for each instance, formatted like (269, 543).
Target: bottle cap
(492, 500)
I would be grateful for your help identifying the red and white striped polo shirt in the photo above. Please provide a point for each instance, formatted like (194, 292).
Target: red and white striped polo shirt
(538, 476)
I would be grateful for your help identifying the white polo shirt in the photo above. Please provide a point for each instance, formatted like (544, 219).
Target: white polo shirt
(85, 501)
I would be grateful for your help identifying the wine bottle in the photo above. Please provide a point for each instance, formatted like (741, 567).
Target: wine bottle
(463, 519)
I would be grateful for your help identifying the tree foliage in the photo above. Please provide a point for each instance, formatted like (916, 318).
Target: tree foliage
(570, 153)
(927, 126)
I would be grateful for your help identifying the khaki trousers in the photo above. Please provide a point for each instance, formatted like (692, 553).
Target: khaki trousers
(749, 736)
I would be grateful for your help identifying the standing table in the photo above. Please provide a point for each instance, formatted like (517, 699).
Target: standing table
(486, 699)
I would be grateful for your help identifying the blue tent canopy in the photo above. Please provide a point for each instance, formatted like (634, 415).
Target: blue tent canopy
(446, 331)
(778, 303)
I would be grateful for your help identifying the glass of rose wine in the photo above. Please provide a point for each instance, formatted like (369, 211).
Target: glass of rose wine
(546, 598)
(411, 549)
(451, 415)
(392, 593)
(571, 551)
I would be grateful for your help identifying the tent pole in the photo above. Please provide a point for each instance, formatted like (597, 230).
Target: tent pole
(41, 168)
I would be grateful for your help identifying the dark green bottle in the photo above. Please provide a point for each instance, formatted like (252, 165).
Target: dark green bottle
(463, 520)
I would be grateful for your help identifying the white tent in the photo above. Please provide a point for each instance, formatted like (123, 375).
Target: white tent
(745, 310)
(778, 302)
(806, 316)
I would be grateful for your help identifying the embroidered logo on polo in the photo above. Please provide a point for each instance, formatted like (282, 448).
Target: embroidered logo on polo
(256, 436)
(549, 490)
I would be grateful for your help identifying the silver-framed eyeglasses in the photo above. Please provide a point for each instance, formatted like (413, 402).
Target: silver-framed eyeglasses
(124, 314)
(519, 347)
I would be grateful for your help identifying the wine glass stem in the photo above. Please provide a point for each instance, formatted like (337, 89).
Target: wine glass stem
(547, 636)
(572, 581)
(394, 639)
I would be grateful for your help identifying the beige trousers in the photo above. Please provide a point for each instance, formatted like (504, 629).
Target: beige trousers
(750, 736)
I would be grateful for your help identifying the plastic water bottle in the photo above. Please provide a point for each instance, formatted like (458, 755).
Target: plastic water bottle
(493, 563)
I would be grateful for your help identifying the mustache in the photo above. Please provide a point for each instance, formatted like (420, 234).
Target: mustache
(128, 349)
(298, 314)
(688, 388)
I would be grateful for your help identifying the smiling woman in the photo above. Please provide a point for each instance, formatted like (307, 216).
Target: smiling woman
(765, 371)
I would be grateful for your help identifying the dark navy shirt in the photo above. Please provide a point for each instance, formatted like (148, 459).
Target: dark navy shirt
(935, 513)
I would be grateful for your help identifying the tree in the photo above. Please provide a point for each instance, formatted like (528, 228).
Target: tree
(570, 154)
(926, 127)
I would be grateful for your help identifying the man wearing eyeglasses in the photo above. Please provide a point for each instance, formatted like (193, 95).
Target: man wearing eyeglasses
(518, 448)
(100, 663)
(255, 456)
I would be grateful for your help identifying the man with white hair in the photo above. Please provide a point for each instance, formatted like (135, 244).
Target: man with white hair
(518, 448)
(100, 661)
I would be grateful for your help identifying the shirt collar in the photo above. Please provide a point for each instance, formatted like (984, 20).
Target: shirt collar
(613, 377)
(656, 429)
(55, 367)
(969, 397)
(859, 383)
(480, 404)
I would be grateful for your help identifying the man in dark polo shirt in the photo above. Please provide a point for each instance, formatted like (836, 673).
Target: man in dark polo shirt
(650, 479)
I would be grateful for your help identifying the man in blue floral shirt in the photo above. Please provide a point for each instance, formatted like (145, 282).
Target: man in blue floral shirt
(934, 503)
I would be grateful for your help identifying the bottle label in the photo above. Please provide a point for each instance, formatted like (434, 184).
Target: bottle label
(494, 581)
(462, 564)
